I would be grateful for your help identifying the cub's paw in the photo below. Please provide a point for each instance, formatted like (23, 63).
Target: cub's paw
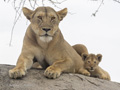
(104, 77)
(52, 72)
(16, 73)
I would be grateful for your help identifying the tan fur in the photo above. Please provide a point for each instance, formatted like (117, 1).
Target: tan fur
(91, 62)
(80, 48)
(48, 47)
(36, 65)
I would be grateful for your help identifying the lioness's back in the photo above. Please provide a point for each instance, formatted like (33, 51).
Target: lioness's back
(80, 48)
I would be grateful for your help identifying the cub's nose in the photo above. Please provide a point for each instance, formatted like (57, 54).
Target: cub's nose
(91, 68)
(46, 29)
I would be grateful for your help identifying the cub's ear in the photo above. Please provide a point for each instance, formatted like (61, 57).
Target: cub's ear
(27, 12)
(62, 13)
(84, 56)
(99, 57)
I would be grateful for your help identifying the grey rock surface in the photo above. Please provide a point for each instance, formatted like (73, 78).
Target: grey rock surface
(35, 80)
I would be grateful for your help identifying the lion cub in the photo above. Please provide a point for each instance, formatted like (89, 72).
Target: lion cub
(91, 62)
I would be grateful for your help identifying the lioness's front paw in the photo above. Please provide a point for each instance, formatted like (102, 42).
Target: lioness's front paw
(52, 72)
(86, 73)
(16, 73)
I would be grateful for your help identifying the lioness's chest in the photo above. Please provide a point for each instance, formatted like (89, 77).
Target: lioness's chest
(43, 57)
(48, 54)
(39, 54)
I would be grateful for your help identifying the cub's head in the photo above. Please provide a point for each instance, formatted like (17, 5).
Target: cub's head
(91, 61)
(44, 21)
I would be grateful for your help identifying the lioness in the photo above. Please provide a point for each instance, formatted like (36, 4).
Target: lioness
(91, 62)
(44, 41)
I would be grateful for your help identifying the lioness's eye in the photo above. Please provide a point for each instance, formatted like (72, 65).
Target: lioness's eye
(39, 17)
(94, 61)
(52, 18)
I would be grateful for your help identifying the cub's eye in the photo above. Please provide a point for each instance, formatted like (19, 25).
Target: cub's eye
(52, 18)
(94, 61)
(88, 61)
(39, 17)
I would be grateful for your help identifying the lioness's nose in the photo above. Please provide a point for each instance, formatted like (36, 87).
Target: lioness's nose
(46, 29)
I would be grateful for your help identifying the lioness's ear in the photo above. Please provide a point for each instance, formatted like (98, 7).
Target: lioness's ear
(84, 56)
(62, 13)
(99, 57)
(27, 12)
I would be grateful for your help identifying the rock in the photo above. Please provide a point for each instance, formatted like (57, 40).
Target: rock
(35, 80)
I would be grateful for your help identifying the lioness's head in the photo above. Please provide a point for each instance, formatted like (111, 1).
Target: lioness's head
(44, 21)
(91, 61)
